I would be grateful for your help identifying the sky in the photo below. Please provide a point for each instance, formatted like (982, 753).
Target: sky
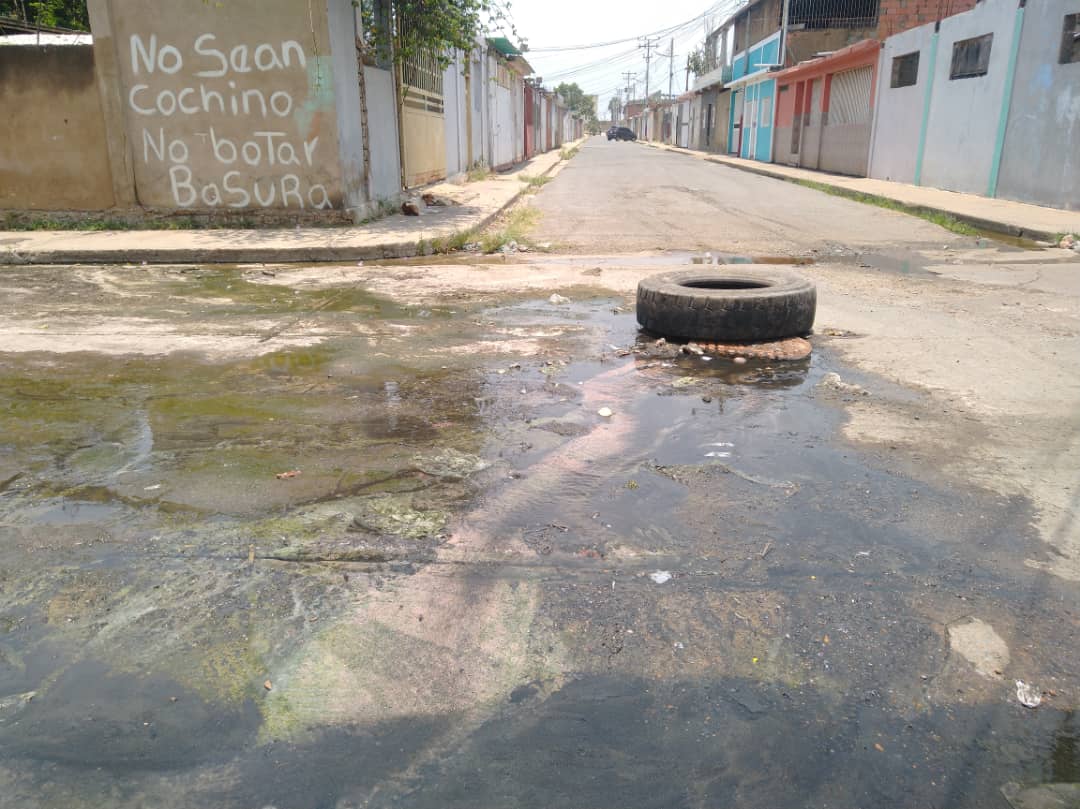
(599, 70)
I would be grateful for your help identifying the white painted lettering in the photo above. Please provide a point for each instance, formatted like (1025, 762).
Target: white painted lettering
(211, 195)
(182, 185)
(224, 149)
(294, 46)
(286, 155)
(323, 198)
(149, 144)
(266, 203)
(257, 95)
(238, 59)
(269, 142)
(139, 53)
(309, 149)
(290, 186)
(244, 197)
(135, 90)
(178, 151)
(169, 52)
(192, 110)
(284, 108)
(166, 102)
(208, 95)
(251, 153)
(213, 53)
(271, 63)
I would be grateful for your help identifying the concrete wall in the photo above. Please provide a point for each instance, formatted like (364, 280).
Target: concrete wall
(964, 113)
(383, 134)
(53, 152)
(895, 16)
(342, 28)
(457, 152)
(227, 106)
(899, 110)
(1041, 156)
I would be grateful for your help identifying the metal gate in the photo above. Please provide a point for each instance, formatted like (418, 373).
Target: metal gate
(849, 98)
(423, 125)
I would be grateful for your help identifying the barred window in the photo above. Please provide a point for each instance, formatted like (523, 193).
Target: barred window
(905, 70)
(1070, 40)
(971, 57)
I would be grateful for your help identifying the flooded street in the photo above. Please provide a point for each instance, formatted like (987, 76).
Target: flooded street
(453, 532)
(358, 537)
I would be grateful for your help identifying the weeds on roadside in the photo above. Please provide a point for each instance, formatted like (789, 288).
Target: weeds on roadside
(479, 172)
(567, 154)
(950, 223)
(534, 183)
(514, 228)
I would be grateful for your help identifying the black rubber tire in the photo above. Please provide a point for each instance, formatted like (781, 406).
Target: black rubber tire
(770, 305)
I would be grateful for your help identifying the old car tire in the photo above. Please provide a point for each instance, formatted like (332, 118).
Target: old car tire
(727, 305)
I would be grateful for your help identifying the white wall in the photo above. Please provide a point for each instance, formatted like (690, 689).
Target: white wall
(898, 111)
(342, 29)
(383, 132)
(455, 112)
(1041, 157)
(964, 113)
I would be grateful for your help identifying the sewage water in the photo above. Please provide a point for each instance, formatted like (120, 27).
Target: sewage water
(490, 635)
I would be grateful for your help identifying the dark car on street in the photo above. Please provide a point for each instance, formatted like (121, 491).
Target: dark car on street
(621, 133)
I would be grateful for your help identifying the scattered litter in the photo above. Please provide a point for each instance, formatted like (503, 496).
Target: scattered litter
(1028, 695)
(716, 454)
(879, 748)
(832, 381)
(660, 576)
(290, 474)
(410, 208)
(269, 686)
(605, 412)
(720, 444)
(692, 348)
(739, 360)
(153, 488)
(1068, 242)
(766, 549)
(684, 382)
(557, 299)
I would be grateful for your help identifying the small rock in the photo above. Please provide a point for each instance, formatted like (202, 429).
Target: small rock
(739, 360)
(660, 576)
(557, 299)
(1028, 694)
(605, 412)
(410, 208)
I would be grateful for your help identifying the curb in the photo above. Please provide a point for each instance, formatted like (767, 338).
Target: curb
(306, 254)
(986, 225)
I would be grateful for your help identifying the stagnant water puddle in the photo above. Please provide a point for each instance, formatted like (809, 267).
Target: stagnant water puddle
(469, 588)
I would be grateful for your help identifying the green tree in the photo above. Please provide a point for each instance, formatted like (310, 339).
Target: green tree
(576, 100)
(53, 13)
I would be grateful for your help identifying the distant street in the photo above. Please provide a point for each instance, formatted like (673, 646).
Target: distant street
(627, 197)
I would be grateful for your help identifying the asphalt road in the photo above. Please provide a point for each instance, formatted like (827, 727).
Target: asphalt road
(626, 197)
(340, 536)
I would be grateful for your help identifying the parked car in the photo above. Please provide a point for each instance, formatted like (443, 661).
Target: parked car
(622, 133)
(611, 132)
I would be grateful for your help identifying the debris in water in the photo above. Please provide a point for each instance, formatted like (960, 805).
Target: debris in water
(268, 685)
(450, 464)
(605, 412)
(660, 576)
(1028, 695)
(832, 381)
(739, 360)
(153, 488)
(285, 475)
(557, 299)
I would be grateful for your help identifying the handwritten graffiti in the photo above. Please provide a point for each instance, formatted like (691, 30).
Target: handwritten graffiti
(267, 167)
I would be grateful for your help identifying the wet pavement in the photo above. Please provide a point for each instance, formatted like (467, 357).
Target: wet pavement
(476, 591)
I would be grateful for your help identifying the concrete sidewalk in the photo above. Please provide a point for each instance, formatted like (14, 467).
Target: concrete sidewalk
(474, 206)
(1007, 217)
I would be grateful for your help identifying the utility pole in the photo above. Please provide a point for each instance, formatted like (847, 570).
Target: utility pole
(629, 77)
(648, 45)
(687, 90)
(784, 33)
(671, 67)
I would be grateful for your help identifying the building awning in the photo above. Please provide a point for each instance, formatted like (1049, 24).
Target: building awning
(857, 55)
(504, 46)
(751, 78)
